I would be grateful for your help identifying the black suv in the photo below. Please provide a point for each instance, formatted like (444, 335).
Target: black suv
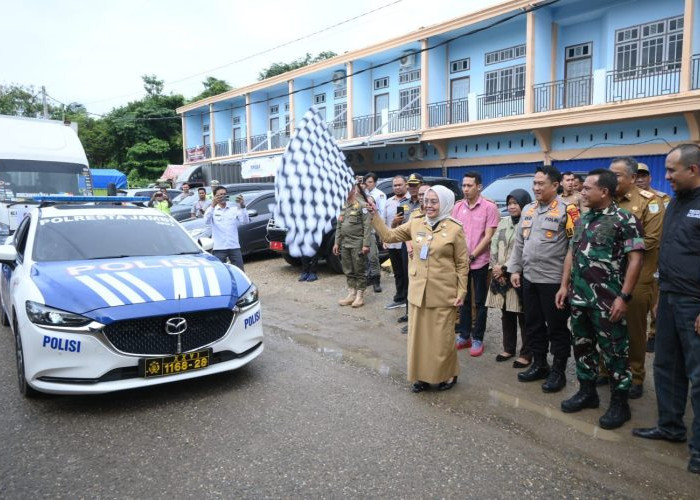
(276, 235)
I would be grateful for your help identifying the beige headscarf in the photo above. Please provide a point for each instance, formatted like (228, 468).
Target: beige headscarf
(447, 203)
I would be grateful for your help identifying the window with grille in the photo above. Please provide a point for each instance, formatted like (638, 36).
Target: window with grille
(649, 48)
(236, 120)
(286, 107)
(381, 83)
(319, 98)
(340, 114)
(505, 83)
(459, 65)
(409, 76)
(507, 54)
(274, 109)
(410, 100)
(340, 93)
(577, 51)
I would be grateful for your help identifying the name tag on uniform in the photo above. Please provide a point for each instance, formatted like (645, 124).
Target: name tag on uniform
(423, 252)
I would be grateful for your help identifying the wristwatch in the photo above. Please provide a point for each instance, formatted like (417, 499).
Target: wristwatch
(626, 296)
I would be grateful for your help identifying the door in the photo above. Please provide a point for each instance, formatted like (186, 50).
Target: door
(237, 143)
(577, 85)
(459, 90)
(381, 112)
(274, 128)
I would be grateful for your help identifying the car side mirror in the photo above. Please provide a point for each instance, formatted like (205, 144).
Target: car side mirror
(252, 213)
(206, 243)
(8, 255)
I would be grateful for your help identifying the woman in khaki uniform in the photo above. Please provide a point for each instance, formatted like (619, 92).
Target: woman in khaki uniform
(437, 286)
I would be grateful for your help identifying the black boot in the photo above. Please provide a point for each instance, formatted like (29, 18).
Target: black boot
(619, 411)
(557, 377)
(586, 397)
(538, 370)
(375, 284)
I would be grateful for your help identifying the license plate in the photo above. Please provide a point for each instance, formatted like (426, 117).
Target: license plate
(276, 245)
(179, 363)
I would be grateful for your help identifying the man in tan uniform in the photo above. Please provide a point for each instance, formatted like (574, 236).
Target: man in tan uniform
(643, 181)
(569, 194)
(645, 206)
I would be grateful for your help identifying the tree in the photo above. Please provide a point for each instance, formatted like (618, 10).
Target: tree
(17, 100)
(278, 68)
(212, 86)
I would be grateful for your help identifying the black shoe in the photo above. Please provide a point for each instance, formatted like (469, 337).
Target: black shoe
(446, 386)
(636, 391)
(651, 344)
(519, 364)
(586, 397)
(656, 433)
(420, 386)
(375, 284)
(303, 276)
(602, 380)
(556, 380)
(694, 463)
(618, 413)
(503, 357)
(404, 330)
(403, 319)
(538, 370)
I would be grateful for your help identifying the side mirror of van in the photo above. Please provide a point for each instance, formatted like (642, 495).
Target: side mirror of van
(8, 255)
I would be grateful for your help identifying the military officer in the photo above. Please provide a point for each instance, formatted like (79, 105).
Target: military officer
(645, 206)
(569, 193)
(643, 181)
(541, 242)
(352, 236)
(604, 238)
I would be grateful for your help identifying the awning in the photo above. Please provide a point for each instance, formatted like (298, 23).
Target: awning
(380, 142)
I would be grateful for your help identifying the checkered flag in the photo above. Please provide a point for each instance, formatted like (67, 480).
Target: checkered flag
(311, 186)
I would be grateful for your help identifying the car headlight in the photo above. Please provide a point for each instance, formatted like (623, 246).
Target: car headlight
(249, 298)
(40, 314)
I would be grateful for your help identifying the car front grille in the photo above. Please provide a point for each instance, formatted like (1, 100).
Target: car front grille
(147, 335)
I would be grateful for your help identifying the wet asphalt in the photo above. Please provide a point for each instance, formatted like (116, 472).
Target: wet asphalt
(323, 412)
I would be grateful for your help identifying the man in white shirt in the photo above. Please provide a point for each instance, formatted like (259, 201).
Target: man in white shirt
(185, 193)
(397, 251)
(200, 206)
(224, 220)
(379, 198)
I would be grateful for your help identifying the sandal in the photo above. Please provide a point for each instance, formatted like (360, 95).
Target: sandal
(519, 364)
(504, 356)
(444, 386)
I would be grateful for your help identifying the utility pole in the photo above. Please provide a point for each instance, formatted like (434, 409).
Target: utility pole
(43, 101)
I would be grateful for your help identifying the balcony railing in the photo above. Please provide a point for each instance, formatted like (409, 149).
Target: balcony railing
(388, 123)
(695, 72)
(643, 81)
(562, 94)
(500, 104)
(339, 129)
(230, 147)
(448, 112)
(198, 153)
(221, 149)
(259, 142)
(238, 146)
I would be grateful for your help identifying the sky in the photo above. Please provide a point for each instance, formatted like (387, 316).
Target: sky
(95, 51)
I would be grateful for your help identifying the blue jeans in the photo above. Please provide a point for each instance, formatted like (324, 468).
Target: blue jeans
(477, 280)
(233, 254)
(677, 363)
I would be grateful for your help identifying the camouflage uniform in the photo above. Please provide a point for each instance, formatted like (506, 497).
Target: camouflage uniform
(601, 240)
(353, 233)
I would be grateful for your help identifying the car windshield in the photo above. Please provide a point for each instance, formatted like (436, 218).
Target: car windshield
(499, 189)
(82, 237)
(25, 178)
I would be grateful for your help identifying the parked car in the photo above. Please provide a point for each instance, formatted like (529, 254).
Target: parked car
(172, 193)
(252, 236)
(103, 298)
(183, 210)
(276, 235)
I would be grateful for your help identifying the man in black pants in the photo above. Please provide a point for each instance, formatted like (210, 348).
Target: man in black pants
(396, 207)
(536, 263)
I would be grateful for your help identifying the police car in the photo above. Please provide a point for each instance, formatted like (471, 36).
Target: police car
(104, 297)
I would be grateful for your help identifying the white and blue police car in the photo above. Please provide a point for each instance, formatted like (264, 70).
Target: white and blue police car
(102, 297)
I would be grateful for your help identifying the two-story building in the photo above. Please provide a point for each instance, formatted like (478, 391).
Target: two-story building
(571, 83)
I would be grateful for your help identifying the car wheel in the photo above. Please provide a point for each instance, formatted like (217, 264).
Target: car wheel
(24, 388)
(4, 320)
(292, 261)
(333, 261)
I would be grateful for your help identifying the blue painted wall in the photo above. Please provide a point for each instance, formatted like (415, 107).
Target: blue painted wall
(193, 127)
(490, 173)
(223, 129)
(438, 71)
(362, 90)
(302, 99)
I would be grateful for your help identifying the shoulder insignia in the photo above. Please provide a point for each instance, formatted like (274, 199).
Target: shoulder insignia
(653, 206)
(648, 195)
(455, 221)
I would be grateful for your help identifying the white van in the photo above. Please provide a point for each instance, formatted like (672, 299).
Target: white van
(37, 157)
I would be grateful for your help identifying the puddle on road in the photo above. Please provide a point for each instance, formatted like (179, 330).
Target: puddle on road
(549, 412)
(361, 358)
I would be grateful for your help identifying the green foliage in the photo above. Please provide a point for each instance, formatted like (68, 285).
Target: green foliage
(16, 100)
(281, 67)
(212, 86)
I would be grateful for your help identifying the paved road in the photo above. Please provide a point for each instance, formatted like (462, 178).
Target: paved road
(317, 417)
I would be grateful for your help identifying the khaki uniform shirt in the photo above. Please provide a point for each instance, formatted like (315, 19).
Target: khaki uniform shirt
(572, 199)
(542, 240)
(648, 209)
(665, 199)
(439, 278)
(353, 229)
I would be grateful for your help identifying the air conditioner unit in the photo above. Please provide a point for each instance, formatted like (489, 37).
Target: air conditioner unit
(338, 78)
(408, 60)
(415, 152)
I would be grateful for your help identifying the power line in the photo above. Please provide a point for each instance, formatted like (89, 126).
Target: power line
(262, 52)
(498, 22)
